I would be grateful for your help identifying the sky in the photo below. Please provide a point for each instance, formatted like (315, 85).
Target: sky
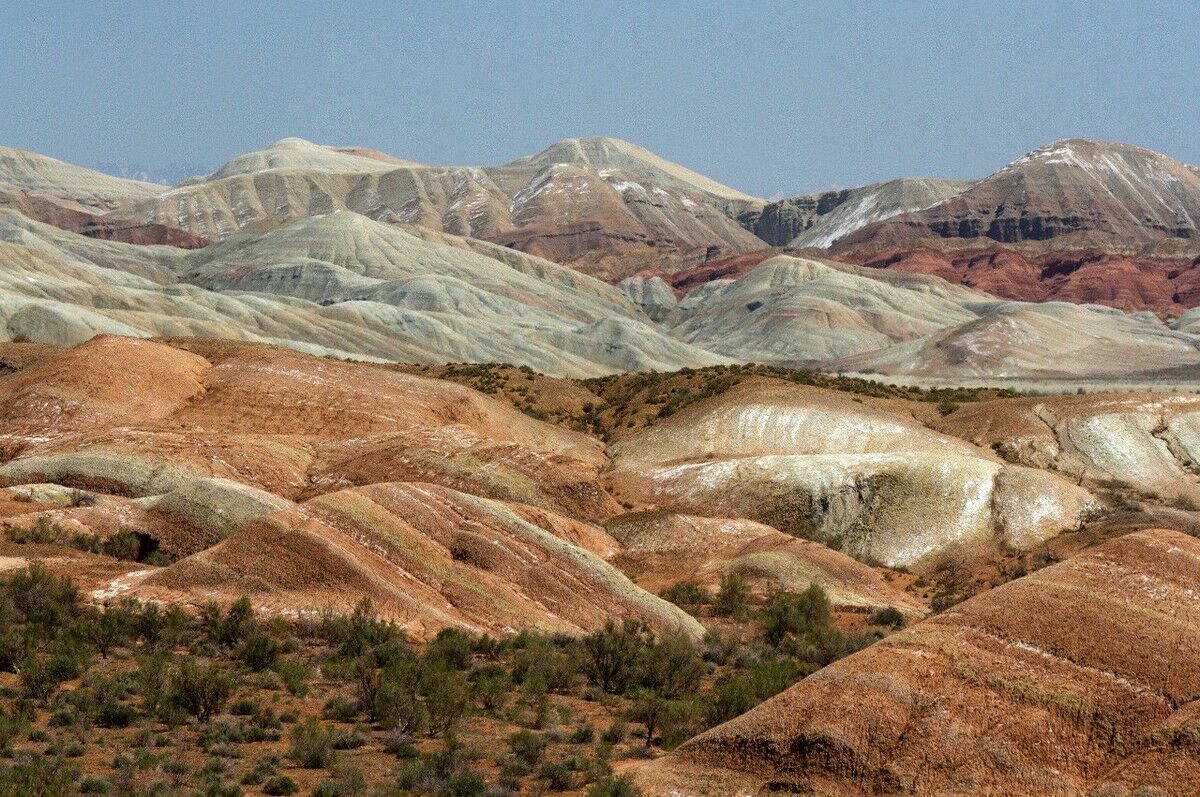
(770, 98)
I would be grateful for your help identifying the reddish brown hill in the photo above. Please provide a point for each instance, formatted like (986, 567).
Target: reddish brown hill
(1080, 679)
(1164, 286)
(1072, 194)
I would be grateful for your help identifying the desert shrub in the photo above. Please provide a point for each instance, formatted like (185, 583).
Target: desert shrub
(559, 775)
(200, 689)
(769, 678)
(446, 693)
(890, 617)
(671, 666)
(795, 613)
(230, 628)
(732, 596)
(44, 531)
(39, 678)
(94, 785)
(40, 599)
(614, 786)
(733, 695)
(346, 780)
(540, 663)
(451, 647)
(341, 709)
(490, 685)
(349, 740)
(446, 773)
(294, 675)
(398, 707)
(677, 720)
(687, 595)
(259, 651)
(102, 697)
(946, 406)
(527, 747)
(359, 632)
(616, 732)
(312, 745)
(610, 654)
(124, 545)
(280, 785)
(584, 734)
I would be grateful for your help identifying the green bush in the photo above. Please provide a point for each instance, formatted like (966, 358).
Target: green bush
(732, 696)
(611, 653)
(614, 786)
(527, 746)
(732, 596)
(259, 651)
(201, 689)
(312, 745)
(341, 709)
(795, 613)
(890, 617)
(346, 780)
(686, 595)
(280, 785)
(671, 666)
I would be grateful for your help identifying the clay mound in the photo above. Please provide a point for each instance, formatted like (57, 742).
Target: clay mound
(1149, 441)
(77, 389)
(277, 421)
(194, 516)
(819, 220)
(31, 173)
(792, 309)
(428, 557)
(660, 549)
(1080, 679)
(296, 154)
(866, 480)
(1052, 340)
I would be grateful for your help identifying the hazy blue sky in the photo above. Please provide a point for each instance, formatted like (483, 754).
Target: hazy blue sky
(763, 96)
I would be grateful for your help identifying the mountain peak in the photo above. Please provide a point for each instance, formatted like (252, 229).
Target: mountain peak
(605, 152)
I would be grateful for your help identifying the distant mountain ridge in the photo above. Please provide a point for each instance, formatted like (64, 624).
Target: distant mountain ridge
(1076, 192)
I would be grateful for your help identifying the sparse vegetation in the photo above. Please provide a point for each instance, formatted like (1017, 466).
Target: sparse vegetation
(200, 703)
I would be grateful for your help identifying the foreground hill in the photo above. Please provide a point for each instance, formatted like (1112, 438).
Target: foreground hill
(1080, 679)
(241, 462)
